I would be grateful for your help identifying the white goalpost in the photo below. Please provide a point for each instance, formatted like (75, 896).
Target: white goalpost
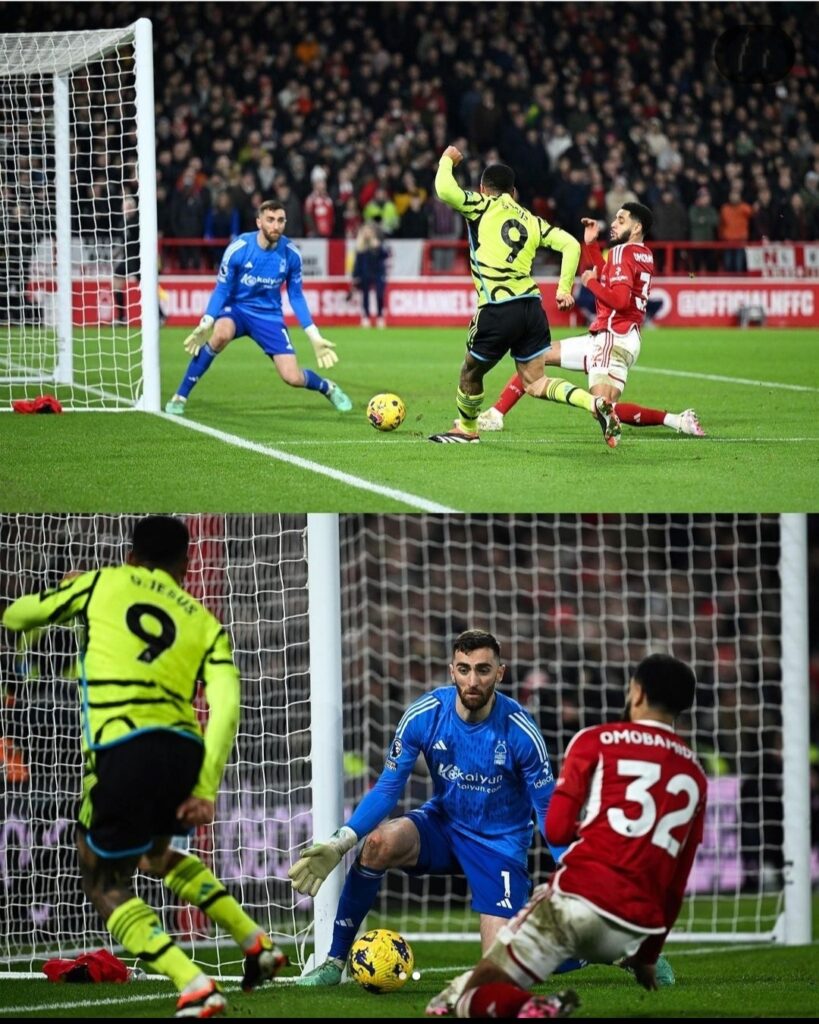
(339, 622)
(79, 308)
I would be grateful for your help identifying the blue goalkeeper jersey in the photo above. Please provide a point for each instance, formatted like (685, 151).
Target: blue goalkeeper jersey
(489, 779)
(251, 278)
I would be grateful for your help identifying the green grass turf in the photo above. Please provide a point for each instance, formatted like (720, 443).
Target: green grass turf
(762, 452)
(748, 981)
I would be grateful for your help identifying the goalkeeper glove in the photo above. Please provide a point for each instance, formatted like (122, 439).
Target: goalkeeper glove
(316, 862)
(325, 356)
(195, 340)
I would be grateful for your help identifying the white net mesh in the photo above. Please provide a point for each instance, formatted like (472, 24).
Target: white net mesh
(70, 308)
(575, 602)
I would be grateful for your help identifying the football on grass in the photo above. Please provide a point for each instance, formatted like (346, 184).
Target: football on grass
(386, 412)
(380, 961)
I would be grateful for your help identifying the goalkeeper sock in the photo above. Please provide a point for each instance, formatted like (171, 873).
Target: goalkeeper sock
(191, 881)
(313, 382)
(357, 897)
(199, 365)
(469, 406)
(138, 930)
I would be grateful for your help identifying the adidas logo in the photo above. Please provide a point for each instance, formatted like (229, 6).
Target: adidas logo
(345, 922)
(439, 745)
(248, 265)
(506, 904)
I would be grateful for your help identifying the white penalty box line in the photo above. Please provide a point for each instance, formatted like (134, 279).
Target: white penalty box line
(413, 500)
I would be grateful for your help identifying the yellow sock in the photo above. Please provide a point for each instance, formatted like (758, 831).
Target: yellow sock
(469, 407)
(191, 881)
(559, 390)
(138, 930)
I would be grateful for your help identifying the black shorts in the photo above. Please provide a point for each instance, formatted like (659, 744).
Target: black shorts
(135, 790)
(518, 327)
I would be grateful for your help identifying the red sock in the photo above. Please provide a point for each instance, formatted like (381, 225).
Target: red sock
(511, 394)
(638, 415)
(497, 999)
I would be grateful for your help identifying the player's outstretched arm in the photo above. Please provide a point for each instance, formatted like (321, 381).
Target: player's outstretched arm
(316, 862)
(470, 204)
(198, 336)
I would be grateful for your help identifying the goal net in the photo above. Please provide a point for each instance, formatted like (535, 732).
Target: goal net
(79, 311)
(576, 601)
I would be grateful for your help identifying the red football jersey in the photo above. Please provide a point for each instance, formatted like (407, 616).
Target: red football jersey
(629, 264)
(323, 212)
(643, 795)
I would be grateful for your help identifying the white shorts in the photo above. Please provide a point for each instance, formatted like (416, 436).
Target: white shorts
(611, 357)
(554, 927)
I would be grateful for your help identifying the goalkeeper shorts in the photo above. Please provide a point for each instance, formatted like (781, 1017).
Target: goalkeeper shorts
(269, 333)
(498, 880)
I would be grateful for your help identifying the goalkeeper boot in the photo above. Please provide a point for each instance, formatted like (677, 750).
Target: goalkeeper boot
(326, 974)
(263, 961)
(443, 1005)
(491, 419)
(560, 1005)
(176, 406)
(690, 424)
(338, 398)
(664, 972)
(206, 1001)
(609, 423)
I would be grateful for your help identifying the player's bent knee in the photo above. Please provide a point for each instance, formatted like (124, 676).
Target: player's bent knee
(535, 388)
(377, 851)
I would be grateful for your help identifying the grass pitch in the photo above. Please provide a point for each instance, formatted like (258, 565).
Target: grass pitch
(724, 981)
(250, 443)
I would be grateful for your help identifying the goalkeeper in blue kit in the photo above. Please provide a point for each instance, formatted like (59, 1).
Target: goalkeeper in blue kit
(491, 778)
(247, 301)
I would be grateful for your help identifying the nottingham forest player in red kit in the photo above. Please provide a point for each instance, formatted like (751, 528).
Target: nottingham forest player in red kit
(630, 802)
(612, 345)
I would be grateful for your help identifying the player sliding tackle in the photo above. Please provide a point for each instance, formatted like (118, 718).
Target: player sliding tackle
(247, 301)
(631, 802)
(612, 346)
(503, 240)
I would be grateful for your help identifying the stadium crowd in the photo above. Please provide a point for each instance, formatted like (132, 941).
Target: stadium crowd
(342, 109)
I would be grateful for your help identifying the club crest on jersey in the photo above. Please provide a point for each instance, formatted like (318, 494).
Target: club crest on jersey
(396, 748)
(500, 753)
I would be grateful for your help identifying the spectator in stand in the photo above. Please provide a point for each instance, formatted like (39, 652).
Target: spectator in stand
(618, 195)
(221, 221)
(291, 206)
(244, 198)
(670, 225)
(351, 218)
(415, 219)
(810, 193)
(370, 272)
(408, 188)
(381, 210)
(704, 222)
(187, 220)
(797, 225)
(319, 211)
(734, 226)
(763, 226)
